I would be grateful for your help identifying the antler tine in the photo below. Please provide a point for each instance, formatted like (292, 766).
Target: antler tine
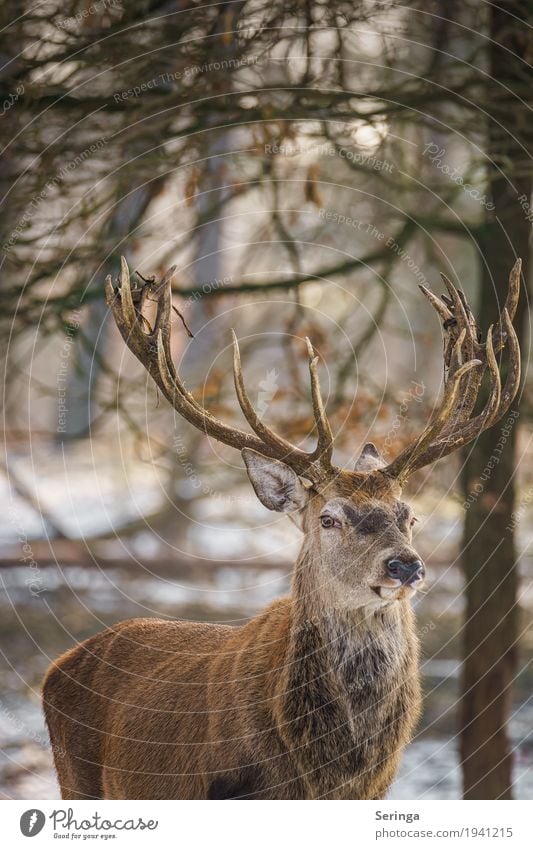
(324, 449)
(314, 464)
(454, 425)
(109, 291)
(186, 405)
(500, 334)
(124, 311)
(460, 315)
(470, 382)
(458, 324)
(161, 294)
(511, 303)
(512, 382)
(456, 358)
(451, 428)
(260, 428)
(126, 299)
(163, 297)
(499, 400)
(494, 399)
(447, 313)
(493, 402)
(408, 460)
(440, 307)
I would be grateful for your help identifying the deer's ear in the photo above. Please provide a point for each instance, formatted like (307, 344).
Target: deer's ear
(275, 484)
(369, 459)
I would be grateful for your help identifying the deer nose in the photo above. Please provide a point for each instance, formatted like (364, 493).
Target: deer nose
(408, 573)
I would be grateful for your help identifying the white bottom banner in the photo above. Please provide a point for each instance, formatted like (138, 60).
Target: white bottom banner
(257, 824)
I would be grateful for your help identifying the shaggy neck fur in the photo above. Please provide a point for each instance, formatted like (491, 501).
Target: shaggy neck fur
(351, 689)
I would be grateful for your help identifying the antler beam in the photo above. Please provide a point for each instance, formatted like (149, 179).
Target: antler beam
(152, 348)
(466, 360)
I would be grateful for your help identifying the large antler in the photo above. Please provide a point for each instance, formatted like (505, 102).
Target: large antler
(151, 346)
(466, 360)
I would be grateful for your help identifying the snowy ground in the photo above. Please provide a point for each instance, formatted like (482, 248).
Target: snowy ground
(77, 597)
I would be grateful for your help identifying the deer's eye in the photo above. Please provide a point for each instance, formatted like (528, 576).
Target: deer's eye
(329, 522)
(413, 522)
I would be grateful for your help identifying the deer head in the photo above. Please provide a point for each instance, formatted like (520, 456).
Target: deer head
(357, 530)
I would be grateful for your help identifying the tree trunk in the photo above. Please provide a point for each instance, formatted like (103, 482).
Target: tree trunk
(489, 556)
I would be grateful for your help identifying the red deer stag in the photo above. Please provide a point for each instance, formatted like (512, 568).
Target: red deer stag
(317, 696)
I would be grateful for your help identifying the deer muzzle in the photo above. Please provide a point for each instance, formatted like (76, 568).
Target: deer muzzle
(408, 573)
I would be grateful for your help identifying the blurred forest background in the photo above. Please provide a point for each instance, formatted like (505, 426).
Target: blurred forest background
(305, 165)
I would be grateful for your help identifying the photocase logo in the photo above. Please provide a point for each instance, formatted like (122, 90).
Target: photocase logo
(32, 822)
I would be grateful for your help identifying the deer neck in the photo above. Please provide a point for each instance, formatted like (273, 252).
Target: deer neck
(345, 686)
(341, 630)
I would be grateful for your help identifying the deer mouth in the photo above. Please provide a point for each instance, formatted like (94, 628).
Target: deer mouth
(389, 593)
